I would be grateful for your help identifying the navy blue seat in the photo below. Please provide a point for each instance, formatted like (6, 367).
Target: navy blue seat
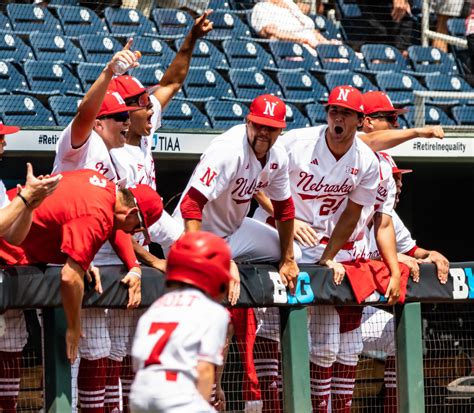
(383, 57)
(77, 20)
(14, 49)
(154, 51)
(5, 24)
(11, 80)
(51, 78)
(339, 57)
(327, 28)
(294, 118)
(180, 114)
(316, 114)
(27, 18)
(63, 3)
(224, 114)
(431, 60)
(128, 22)
(248, 84)
(25, 111)
(448, 83)
(88, 74)
(150, 75)
(349, 9)
(227, 25)
(433, 116)
(206, 54)
(289, 55)
(206, 84)
(54, 47)
(64, 108)
(464, 115)
(245, 54)
(301, 87)
(457, 26)
(399, 87)
(357, 80)
(171, 23)
(97, 48)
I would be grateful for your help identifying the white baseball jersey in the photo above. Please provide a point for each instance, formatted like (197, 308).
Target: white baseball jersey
(3, 195)
(229, 174)
(178, 330)
(321, 185)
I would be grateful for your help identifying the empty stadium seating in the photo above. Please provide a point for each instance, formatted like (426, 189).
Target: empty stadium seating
(206, 54)
(54, 47)
(338, 57)
(289, 55)
(77, 20)
(128, 22)
(301, 87)
(383, 57)
(433, 116)
(224, 114)
(180, 114)
(28, 18)
(227, 25)
(316, 114)
(248, 84)
(347, 77)
(294, 118)
(431, 60)
(98, 48)
(171, 23)
(25, 111)
(64, 108)
(88, 74)
(206, 84)
(464, 115)
(11, 79)
(13, 48)
(245, 54)
(154, 51)
(448, 84)
(399, 87)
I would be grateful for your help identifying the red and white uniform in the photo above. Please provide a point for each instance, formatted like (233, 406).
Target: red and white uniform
(178, 330)
(228, 175)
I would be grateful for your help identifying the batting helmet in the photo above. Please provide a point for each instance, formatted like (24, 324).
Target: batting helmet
(200, 259)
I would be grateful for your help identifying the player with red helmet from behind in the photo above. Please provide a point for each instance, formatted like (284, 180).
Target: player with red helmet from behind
(180, 339)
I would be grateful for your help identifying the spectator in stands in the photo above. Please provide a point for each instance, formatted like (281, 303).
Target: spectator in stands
(145, 6)
(444, 10)
(470, 43)
(194, 7)
(284, 20)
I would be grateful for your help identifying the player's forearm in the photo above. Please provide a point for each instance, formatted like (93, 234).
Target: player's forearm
(205, 379)
(386, 242)
(265, 202)
(143, 255)
(72, 291)
(286, 235)
(386, 139)
(421, 253)
(192, 225)
(11, 216)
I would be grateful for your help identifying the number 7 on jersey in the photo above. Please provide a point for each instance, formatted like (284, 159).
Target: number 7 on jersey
(162, 331)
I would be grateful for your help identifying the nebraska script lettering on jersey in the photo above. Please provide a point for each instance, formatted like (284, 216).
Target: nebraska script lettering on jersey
(307, 184)
(243, 188)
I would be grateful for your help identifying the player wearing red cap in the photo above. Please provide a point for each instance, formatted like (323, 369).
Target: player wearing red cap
(180, 338)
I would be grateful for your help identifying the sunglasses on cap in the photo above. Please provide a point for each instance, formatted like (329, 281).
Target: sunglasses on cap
(117, 117)
(141, 101)
(391, 118)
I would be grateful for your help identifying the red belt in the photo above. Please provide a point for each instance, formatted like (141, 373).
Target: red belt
(171, 375)
(347, 246)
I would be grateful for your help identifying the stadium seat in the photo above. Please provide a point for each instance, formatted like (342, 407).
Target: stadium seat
(464, 115)
(51, 78)
(346, 77)
(431, 60)
(294, 118)
(383, 58)
(11, 80)
(27, 18)
(97, 48)
(339, 57)
(14, 49)
(457, 26)
(150, 75)
(88, 74)
(316, 114)
(154, 51)
(63, 2)
(227, 25)
(206, 54)
(433, 116)
(77, 20)
(399, 87)
(180, 114)
(290, 55)
(206, 84)
(327, 28)
(248, 84)
(246, 54)
(64, 108)
(128, 22)
(448, 83)
(219, 5)
(224, 114)
(53, 47)
(171, 23)
(25, 111)
(5, 24)
(301, 87)
(348, 9)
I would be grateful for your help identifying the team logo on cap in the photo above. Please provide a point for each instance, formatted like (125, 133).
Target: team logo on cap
(343, 94)
(270, 108)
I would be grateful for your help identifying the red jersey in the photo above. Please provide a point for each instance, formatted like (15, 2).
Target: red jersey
(72, 222)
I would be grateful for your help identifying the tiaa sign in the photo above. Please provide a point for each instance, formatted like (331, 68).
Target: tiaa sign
(303, 293)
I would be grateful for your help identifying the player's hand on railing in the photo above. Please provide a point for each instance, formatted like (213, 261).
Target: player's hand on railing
(73, 335)
(289, 271)
(38, 188)
(134, 283)
(337, 267)
(93, 277)
(234, 284)
(305, 234)
(158, 264)
(442, 265)
(393, 290)
(202, 25)
(219, 403)
(412, 264)
(434, 131)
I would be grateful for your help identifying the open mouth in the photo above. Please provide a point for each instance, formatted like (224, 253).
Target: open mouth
(124, 133)
(338, 130)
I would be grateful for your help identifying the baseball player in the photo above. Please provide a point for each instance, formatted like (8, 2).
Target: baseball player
(15, 222)
(180, 339)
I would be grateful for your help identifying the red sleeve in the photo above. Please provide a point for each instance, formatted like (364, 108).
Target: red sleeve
(193, 204)
(123, 246)
(82, 238)
(411, 252)
(284, 210)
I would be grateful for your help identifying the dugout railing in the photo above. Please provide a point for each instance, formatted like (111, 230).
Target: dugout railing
(32, 287)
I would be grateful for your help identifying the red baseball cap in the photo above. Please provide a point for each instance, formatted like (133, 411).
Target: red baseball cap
(395, 168)
(113, 103)
(347, 97)
(268, 110)
(128, 86)
(376, 101)
(7, 130)
(150, 206)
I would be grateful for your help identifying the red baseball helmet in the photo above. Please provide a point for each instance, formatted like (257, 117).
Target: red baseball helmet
(200, 259)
